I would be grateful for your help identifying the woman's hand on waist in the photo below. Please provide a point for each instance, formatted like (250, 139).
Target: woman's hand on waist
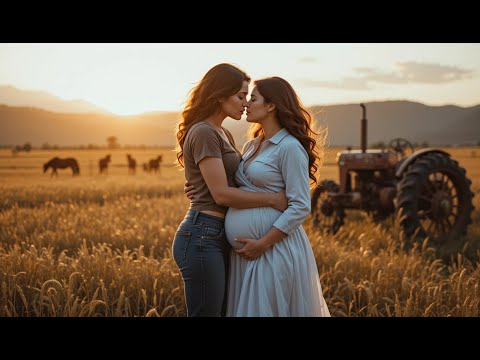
(189, 190)
(280, 201)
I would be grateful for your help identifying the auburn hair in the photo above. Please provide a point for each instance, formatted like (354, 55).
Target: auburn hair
(221, 81)
(294, 117)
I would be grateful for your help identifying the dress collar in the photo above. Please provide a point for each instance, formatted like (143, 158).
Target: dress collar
(275, 139)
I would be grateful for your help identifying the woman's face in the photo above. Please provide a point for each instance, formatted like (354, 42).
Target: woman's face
(257, 109)
(234, 106)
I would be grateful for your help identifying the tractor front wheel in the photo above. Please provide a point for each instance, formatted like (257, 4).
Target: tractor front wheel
(325, 215)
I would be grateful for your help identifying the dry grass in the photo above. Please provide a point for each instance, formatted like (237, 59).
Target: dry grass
(101, 246)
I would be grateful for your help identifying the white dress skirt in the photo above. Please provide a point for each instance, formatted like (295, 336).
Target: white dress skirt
(283, 281)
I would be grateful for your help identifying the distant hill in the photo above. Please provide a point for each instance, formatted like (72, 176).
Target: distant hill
(12, 96)
(442, 125)
(21, 124)
(437, 125)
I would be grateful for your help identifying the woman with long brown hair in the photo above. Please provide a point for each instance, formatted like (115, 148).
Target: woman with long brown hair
(206, 151)
(273, 270)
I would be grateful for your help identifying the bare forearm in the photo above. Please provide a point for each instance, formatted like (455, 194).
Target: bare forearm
(272, 237)
(241, 199)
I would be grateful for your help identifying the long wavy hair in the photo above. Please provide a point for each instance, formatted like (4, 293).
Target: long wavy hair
(221, 81)
(294, 117)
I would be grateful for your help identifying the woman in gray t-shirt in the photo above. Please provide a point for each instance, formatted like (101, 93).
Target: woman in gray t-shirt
(208, 155)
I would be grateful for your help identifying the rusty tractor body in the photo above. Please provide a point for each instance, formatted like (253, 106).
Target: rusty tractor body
(427, 189)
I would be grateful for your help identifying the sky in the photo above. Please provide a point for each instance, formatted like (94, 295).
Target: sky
(133, 78)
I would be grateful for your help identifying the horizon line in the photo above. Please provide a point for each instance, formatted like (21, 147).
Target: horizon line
(112, 113)
(107, 110)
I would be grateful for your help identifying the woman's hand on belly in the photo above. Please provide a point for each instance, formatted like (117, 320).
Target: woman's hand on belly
(251, 249)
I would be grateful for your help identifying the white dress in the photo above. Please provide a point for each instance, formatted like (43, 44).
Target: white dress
(284, 280)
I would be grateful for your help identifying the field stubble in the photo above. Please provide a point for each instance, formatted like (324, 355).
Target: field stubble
(98, 245)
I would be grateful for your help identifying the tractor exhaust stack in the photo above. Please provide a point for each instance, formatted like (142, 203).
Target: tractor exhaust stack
(363, 139)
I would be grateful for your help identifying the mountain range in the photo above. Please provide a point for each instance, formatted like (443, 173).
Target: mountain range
(69, 123)
(10, 95)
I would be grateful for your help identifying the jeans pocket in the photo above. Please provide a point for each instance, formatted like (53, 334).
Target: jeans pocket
(213, 232)
(180, 245)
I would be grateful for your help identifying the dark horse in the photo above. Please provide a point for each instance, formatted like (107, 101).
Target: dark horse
(154, 164)
(132, 164)
(103, 164)
(58, 163)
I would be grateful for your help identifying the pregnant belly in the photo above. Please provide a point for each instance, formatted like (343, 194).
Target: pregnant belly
(251, 223)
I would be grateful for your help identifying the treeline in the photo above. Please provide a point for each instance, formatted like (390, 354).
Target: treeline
(47, 146)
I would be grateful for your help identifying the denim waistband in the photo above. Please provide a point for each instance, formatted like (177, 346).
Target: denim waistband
(196, 215)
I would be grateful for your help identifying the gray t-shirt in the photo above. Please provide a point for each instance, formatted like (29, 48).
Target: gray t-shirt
(203, 140)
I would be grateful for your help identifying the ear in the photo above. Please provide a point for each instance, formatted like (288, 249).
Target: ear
(271, 107)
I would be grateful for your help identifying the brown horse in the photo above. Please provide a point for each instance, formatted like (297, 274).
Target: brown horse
(132, 164)
(58, 163)
(154, 164)
(103, 164)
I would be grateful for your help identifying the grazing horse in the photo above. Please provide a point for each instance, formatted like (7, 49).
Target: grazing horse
(132, 164)
(58, 163)
(154, 164)
(103, 164)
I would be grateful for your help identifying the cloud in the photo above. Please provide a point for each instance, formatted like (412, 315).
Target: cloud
(349, 83)
(308, 59)
(433, 73)
(404, 73)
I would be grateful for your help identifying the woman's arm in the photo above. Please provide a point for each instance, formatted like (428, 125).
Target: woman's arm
(215, 177)
(205, 145)
(295, 172)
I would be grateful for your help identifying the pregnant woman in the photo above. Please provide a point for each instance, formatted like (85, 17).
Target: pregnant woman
(272, 266)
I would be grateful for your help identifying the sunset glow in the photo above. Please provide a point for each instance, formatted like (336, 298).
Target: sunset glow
(136, 78)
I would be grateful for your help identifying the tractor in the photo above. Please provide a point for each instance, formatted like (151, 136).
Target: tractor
(426, 189)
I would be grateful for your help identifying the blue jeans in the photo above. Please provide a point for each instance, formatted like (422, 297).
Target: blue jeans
(201, 251)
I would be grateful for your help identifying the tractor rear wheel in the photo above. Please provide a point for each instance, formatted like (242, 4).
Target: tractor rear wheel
(434, 197)
(325, 216)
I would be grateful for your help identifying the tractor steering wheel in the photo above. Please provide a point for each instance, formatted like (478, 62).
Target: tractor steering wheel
(401, 147)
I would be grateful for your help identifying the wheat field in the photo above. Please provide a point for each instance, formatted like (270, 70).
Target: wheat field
(100, 245)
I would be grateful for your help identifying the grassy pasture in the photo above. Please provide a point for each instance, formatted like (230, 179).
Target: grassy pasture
(100, 245)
